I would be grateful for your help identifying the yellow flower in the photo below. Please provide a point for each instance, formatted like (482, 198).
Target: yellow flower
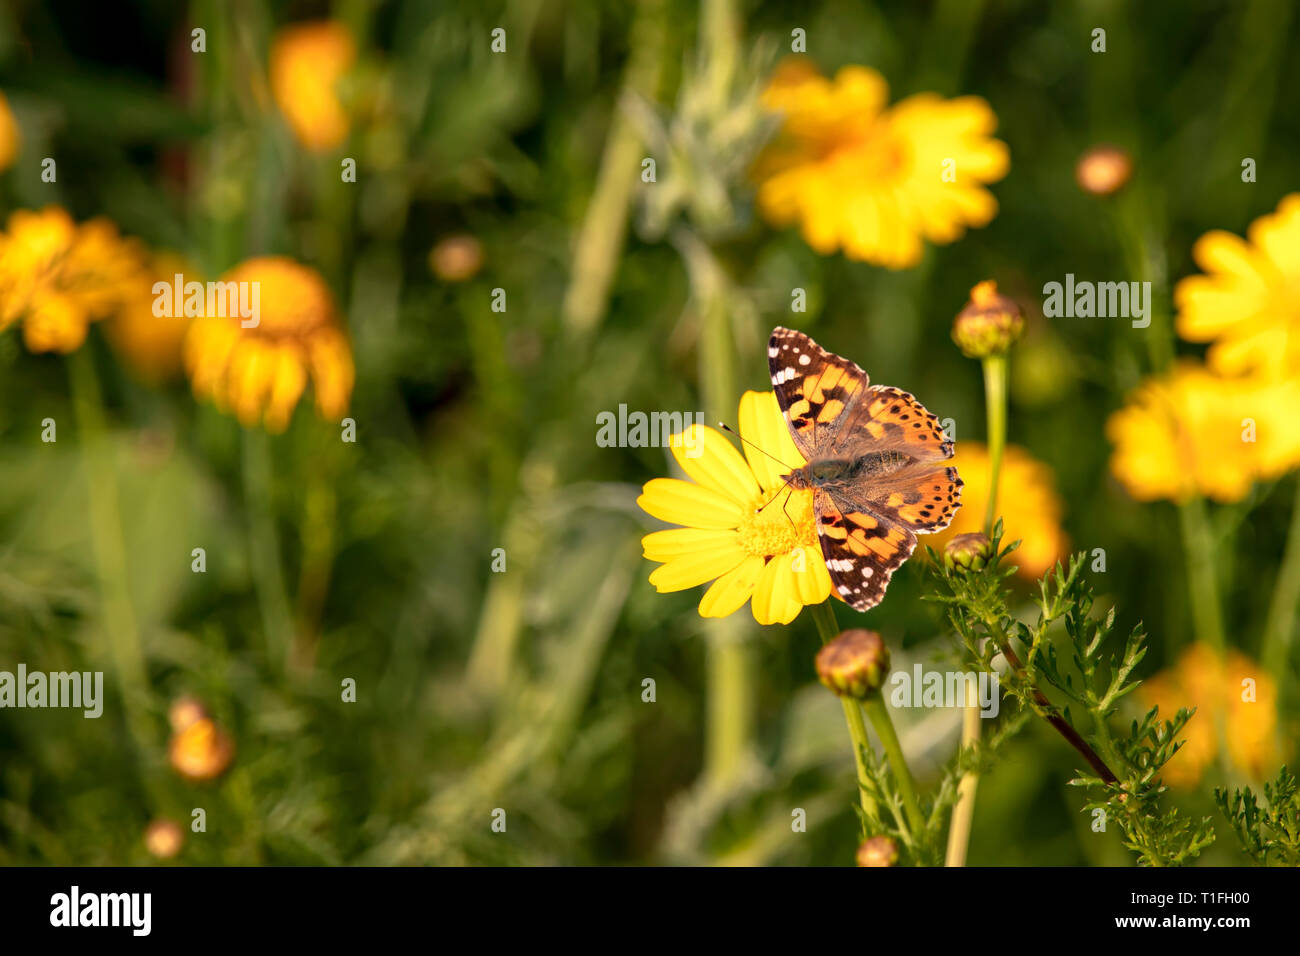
(260, 372)
(202, 751)
(1028, 504)
(151, 345)
(1248, 304)
(871, 180)
(1190, 432)
(1235, 691)
(307, 61)
(164, 839)
(58, 277)
(771, 557)
(10, 138)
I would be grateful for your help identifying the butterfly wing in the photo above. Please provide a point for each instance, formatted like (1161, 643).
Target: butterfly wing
(862, 550)
(918, 496)
(814, 389)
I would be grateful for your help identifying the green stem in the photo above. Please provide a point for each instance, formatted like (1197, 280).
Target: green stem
(1202, 582)
(1279, 630)
(995, 404)
(109, 548)
(264, 546)
(878, 714)
(824, 615)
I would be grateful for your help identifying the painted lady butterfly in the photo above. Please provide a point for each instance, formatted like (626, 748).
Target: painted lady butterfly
(872, 452)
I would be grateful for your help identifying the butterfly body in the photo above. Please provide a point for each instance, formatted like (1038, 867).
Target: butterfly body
(872, 454)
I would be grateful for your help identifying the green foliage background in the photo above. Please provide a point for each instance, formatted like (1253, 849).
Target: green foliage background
(476, 428)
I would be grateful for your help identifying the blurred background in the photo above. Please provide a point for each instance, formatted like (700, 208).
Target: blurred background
(495, 274)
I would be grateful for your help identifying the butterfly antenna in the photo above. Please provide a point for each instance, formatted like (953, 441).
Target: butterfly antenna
(727, 427)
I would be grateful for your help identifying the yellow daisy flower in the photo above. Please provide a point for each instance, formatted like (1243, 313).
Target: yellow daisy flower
(1028, 504)
(871, 180)
(1220, 690)
(10, 138)
(1191, 432)
(307, 61)
(769, 557)
(260, 372)
(1246, 303)
(58, 277)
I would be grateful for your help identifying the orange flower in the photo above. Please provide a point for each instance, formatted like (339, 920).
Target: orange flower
(259, 372)
(1236, 692)
(307, 62)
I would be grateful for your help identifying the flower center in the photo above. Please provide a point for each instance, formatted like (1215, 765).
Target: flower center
(778, 525)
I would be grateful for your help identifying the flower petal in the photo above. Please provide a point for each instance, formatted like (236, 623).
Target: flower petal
(730, 592)
(775, 599)
(695, 568)
(812, 583)
(680, 502)
(676, 542)
(713, 462)
(763, 425)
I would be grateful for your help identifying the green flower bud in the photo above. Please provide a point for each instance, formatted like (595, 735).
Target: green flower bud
(878, 851)
(989, 325)
(969, 551)
(855, 664)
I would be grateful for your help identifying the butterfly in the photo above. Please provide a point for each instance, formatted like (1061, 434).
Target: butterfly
(873, 454)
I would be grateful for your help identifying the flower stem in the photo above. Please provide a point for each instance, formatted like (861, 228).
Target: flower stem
(963, 813)
(824, 615)
(1279, 631)
(109, 547)
(264, 546)
(1202, 582)
(995, 404)
(878, 714)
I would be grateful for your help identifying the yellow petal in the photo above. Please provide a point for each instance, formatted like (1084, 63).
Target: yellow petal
(730, 592)
(713, 462)
(813, 583)
(675, 542)
(680, 502)
(763, 425)
(695, 568)
(775, 599)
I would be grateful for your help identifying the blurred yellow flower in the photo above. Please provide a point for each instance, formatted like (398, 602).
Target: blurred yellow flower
(1190, 431)
(771, 557)
(1247, 303)
(150, 345)
(1235, 691)
(58, 277)
(1028, 504)
(164, 839)
(876, 180)
(307, 60)
(260, 372)
(201, 751)
(10, 138)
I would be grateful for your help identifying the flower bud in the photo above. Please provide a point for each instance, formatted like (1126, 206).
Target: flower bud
(1103, 170)
(878, 851)
(854, 664)
(990, 323)
(202, 751)
(163, 839)
(970, 551)
(456, 258)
